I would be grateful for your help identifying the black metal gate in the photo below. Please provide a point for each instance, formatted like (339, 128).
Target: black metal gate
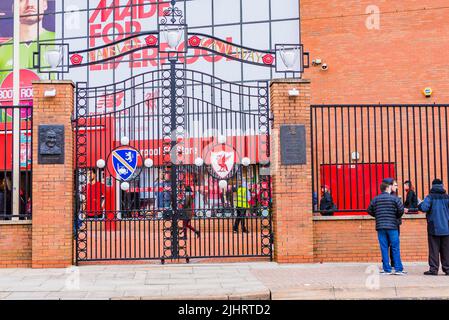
(172, 164)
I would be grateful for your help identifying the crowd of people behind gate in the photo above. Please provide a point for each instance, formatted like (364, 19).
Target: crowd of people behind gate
(6, 210)
(206, 197)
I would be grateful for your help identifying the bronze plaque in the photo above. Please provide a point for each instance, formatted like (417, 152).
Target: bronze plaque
(293, 145)
(51, 144)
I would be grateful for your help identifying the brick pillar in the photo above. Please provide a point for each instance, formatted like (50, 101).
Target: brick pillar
(52, 231)
(292, 184)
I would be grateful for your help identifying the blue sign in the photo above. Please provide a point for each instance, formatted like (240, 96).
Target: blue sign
(124, 162)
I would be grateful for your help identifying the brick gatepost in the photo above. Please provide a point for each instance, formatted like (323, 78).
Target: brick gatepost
(52, 229)
(292, 184)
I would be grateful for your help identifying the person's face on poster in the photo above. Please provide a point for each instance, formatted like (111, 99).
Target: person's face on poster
(30, 10)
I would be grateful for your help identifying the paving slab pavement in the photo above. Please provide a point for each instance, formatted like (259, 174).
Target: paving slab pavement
(259, 280)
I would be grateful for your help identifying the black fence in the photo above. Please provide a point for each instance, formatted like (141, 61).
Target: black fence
(9, 115)
(354, 147)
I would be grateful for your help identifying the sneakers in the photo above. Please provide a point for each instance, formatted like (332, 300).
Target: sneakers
(386, 272)
(431, 273)
(396, 273)
(400, 273)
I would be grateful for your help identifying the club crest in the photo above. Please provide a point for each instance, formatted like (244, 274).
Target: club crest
(222, 162)
(123, 162)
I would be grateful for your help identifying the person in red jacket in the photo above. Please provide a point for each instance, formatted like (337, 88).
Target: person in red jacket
(95, 197)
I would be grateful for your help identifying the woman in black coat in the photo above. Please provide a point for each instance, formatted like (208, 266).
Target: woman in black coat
(411, 199)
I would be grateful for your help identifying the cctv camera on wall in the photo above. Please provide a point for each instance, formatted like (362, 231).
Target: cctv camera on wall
(324, 67)
(317, 62)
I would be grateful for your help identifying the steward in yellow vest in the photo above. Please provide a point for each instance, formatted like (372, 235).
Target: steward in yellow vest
(242, 198)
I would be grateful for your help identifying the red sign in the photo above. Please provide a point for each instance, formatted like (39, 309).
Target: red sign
(26, 90)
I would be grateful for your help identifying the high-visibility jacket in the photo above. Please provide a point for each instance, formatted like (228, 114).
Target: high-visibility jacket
(242, 198)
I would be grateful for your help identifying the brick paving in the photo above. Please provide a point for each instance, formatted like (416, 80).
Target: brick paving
(258, 280)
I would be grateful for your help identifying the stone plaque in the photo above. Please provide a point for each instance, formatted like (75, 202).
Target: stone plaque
(293, 145)
(51, 144)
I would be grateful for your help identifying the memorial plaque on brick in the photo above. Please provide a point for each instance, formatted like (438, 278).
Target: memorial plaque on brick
(293, 145)
(51, 144)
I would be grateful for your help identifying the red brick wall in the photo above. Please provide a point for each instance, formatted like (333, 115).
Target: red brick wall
(53, 183)
(356, 240)
(15, 245)
(292, 185)
(390, 65)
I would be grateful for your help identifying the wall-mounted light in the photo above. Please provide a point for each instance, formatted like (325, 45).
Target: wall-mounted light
(50, 93)
(293, 92)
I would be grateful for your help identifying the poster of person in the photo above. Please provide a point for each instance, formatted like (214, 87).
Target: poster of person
(37, 25)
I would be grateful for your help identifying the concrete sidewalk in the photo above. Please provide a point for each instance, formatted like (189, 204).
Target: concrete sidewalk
(222, 281)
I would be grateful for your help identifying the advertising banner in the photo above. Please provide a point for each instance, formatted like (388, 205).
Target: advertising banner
(87, 24)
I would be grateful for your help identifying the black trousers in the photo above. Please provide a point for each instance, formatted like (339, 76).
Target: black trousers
(438, 246)
(240, 219)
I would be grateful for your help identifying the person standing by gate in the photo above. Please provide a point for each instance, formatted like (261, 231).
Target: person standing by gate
(411, 200)
(5, 206)
(242, 206)
(387, 209)
(436, 207)
(327, 205)
(394, 192)
(162, 189)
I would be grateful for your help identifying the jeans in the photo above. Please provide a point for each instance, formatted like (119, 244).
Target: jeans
(391, 250)
(390, 238)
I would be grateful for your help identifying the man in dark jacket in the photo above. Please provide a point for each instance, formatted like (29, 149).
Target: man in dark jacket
(436, 207)
(327, 206)
(387, 209)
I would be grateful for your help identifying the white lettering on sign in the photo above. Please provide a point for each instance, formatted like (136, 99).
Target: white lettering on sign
(6, 94)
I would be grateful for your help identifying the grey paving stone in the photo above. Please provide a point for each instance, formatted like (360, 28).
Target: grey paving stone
(182, 287)
(27, 295)
(170, 281)
(4, 294)
(293, 294)
(142, 293)
(104, 295)
(68, 295)
(353, 293)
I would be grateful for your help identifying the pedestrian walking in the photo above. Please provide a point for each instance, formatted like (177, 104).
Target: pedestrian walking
(189, 211)
(436, 207)
(387, 209)
(242, 206)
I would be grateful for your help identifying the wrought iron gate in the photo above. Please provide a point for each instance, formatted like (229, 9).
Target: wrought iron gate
(172, 164)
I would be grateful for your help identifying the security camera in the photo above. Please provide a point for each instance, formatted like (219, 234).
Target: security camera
(317, 62)
(324, 67)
